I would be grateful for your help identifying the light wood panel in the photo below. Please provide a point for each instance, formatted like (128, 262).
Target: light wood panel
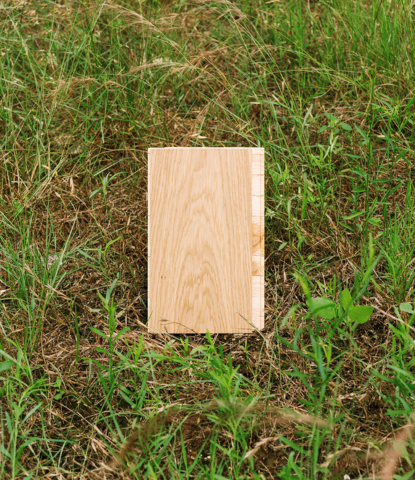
(206, 240)
(258, 237)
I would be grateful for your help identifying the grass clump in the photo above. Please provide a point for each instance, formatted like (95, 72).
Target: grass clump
(326, 390)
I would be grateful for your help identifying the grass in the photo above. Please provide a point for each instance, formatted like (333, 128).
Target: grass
(326, 390)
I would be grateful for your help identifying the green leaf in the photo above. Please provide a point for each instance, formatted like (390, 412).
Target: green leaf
(323, 307)
(346, 299)
(109, 291)
(360, 314)
(98, 332)
(128, 399)
(282, 246)
(331, 117)
(406, 307)
(5, 365)
(110, 243)
(121, 332)
(376, 222)
(346, 126)
(98, 190)
(406, 476)
(102, 350)
(32, 411)
(58, 382)
(304, 285)
(353, 215)
(292, 445)
(322, 129)
(59, 395)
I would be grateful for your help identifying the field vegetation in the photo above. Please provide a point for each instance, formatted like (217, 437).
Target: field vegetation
(327, 389)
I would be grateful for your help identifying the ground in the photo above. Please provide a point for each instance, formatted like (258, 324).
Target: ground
(326, 390)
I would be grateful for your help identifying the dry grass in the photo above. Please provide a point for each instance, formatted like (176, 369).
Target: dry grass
(86, 88)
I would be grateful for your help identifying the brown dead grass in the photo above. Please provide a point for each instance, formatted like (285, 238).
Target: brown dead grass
(63, 200)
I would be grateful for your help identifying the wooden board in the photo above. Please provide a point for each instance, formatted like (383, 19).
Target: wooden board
(205, 240)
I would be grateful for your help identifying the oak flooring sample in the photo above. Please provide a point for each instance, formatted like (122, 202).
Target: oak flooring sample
(206, 240)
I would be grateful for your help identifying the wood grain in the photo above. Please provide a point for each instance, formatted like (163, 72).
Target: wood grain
(258, 237)
(205, 252)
